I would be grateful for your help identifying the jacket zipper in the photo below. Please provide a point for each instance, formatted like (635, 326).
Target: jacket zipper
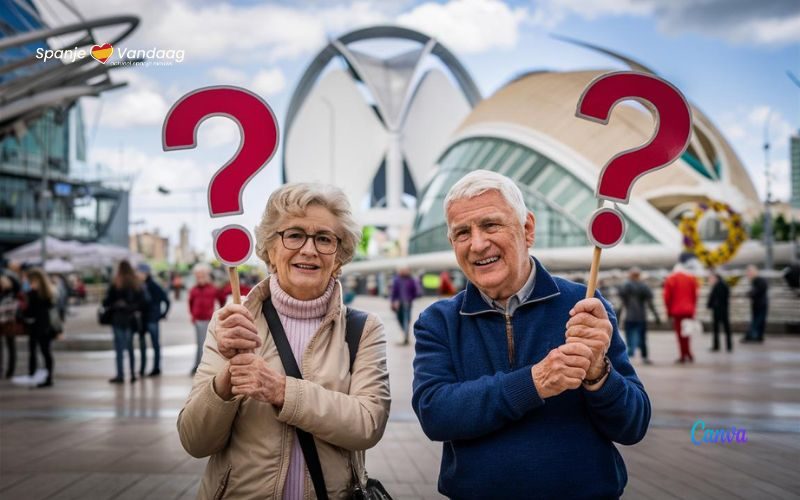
(510, 340)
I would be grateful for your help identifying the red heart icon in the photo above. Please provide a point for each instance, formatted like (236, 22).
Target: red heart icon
(102, 52)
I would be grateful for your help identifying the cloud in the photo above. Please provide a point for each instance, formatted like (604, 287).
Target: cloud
(266, 82)
(228, 75)
(258, 32)
(744, 129)
(766, 22)
(134, 108)
(468, 26)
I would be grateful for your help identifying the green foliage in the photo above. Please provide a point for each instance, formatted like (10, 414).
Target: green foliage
(781, 228)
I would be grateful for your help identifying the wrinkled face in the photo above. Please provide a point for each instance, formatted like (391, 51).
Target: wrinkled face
(304, 273)
(202, 277)
(490, 244)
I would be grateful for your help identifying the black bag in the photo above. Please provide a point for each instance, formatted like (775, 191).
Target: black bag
(354, 328)
(104, 315)
(373, 491)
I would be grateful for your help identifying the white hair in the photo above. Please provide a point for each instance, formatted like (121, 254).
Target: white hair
(478, 182)
(202, 267)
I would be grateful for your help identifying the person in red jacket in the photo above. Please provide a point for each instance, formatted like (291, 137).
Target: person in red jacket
(680, 299)
(226, 290)
(201, 306)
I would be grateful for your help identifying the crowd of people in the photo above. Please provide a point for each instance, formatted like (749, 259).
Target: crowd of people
(681, 291)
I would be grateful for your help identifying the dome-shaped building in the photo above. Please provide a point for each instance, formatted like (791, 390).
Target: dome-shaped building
(528, 131)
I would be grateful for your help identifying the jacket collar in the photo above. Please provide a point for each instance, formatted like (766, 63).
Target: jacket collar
(544, 288)
(261, 292)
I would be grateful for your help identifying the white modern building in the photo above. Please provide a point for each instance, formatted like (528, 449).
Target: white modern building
(371, 114)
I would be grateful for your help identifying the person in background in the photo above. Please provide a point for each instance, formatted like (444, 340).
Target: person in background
(177, 285)
(36, 316)
(10, 326)
(156, 310)
(61, 287)
(126, 299)
(446, 288)
(718, 300)
(201, 306)
(680, 299)
(226, 290)
(759, 304)
(636, 298)
(405, 288)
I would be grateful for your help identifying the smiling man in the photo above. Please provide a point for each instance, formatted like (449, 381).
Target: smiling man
(527, 383)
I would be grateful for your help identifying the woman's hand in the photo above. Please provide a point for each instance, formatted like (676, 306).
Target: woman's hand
(236, 331)
(251, 377)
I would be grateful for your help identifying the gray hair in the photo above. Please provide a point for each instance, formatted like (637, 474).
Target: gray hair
(293, 200)
(478, 182)
(202, 267)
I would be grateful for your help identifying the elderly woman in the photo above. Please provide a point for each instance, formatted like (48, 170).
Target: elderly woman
(243, 410)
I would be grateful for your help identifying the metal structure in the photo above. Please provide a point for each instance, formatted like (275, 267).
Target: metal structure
(377, 127)
(41, 130)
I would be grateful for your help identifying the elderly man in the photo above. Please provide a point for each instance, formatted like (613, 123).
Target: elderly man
(527, 383)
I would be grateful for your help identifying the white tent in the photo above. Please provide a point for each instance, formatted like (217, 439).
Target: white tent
(58, 266)
(32, 252)
(70, 256)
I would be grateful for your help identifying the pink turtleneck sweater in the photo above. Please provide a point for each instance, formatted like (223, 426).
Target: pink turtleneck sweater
(300, 319)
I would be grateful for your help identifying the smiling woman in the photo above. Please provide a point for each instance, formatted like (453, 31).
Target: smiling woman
(244, 405)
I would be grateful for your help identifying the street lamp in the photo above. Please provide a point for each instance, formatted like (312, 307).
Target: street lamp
(767, 212)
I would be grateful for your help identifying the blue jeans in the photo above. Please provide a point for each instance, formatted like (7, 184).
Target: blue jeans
(404, 317)
(123, 340)
(758, 324)
(636, 336)
(200, 330)
(150, 327)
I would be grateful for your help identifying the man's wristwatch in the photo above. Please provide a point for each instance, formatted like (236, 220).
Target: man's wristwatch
(606, 371)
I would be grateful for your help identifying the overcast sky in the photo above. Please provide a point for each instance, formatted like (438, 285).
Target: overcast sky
(729, 57)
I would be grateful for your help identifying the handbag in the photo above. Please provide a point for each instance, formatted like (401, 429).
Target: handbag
(355, 321)
(104, 315)
(691, 327)
(56, 325)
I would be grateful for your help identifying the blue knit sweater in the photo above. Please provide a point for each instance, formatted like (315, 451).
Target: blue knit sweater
(501, 440)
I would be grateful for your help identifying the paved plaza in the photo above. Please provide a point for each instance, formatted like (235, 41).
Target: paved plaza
(85, 438)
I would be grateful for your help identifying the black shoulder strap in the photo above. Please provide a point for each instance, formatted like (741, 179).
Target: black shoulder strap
(353, 330)
(291, 368)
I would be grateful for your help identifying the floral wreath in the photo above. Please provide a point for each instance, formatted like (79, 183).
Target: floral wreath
(725, 251)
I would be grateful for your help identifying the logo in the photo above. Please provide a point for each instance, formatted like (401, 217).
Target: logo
(102, 53)
(716, 436)
(127, 56)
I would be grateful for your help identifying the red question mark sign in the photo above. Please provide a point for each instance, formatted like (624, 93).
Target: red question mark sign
(671, 137)
(259, 141)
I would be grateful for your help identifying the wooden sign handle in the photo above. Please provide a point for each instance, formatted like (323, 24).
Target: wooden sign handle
(592, 285)
(233, 276)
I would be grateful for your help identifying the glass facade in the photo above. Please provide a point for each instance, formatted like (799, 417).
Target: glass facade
(41, 149)
(45, 142)
(559, 200)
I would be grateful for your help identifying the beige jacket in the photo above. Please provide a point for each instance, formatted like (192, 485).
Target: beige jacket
(249, 442)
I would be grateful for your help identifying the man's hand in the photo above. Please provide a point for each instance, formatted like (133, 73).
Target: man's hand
(589, 325)
(236, 331)
(251, 377)
(563, 368)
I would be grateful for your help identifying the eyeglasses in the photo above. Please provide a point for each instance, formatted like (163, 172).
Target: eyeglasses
(326, 243)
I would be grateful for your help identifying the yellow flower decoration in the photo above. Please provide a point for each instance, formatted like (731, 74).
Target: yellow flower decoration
(725, 251)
